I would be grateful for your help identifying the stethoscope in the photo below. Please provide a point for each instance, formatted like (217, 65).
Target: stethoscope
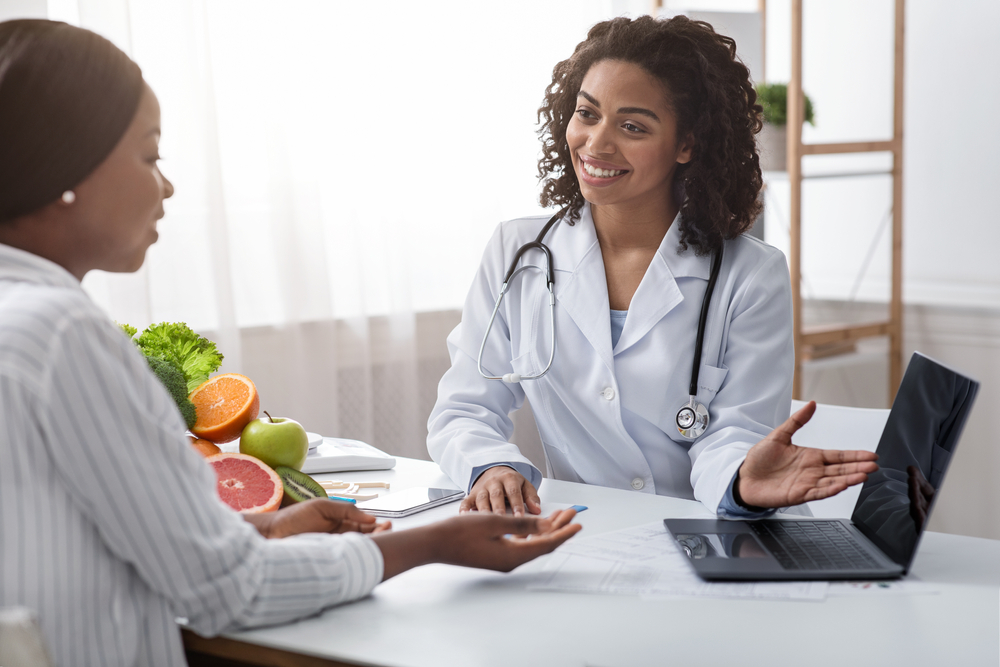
(692, 418)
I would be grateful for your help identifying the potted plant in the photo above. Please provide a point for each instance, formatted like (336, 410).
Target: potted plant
(773, 138)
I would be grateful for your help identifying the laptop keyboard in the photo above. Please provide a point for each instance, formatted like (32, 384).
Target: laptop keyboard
(813, 545)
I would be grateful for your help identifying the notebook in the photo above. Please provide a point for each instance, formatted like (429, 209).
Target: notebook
(881, 538)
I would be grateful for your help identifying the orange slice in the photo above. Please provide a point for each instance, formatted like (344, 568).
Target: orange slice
(223, 406)
(246, 484)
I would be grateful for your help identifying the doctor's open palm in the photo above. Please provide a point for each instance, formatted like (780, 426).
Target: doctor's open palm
(777, 473)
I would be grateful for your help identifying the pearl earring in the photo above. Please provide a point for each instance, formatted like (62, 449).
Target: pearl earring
(68, 197)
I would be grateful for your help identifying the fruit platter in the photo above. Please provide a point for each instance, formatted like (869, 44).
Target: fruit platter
(266, 472)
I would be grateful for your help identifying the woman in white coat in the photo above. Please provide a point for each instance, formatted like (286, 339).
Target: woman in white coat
(648, 147)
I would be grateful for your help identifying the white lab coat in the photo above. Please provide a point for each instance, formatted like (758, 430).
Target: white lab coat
(591, 391)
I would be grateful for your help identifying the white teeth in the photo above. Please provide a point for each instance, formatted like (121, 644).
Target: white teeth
(602, 173)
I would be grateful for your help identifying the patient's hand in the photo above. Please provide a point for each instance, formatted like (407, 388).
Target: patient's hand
(777, 473)
(315, 516)
(481, 540)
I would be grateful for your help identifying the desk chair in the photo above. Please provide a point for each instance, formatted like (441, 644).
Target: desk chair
(21, 643)
(840, 427)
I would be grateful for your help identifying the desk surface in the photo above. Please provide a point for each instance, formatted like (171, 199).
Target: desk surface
(444, 615)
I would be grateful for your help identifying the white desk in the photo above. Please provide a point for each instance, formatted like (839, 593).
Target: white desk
(441, 615)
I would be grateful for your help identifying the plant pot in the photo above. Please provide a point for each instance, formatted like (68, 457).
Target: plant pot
(772, 143)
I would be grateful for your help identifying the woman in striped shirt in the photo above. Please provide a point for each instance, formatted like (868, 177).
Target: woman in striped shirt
(110, 527)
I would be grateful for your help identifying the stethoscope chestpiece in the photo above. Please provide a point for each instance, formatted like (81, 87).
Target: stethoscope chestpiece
(692, 419)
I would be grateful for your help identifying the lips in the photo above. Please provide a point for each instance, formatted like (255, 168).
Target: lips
(598, 172)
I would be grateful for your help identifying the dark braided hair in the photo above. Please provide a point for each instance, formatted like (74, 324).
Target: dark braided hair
(711, 95)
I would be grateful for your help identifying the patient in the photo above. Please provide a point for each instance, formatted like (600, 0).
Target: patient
(110, 526)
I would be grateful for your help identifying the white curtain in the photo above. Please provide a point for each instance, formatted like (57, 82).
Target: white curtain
(338, 168)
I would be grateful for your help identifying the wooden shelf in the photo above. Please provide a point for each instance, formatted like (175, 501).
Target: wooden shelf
(850, 147)
(817, 336)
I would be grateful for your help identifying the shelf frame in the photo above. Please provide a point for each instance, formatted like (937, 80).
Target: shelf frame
(810, 337)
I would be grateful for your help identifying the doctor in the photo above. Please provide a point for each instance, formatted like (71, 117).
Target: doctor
(648, 149)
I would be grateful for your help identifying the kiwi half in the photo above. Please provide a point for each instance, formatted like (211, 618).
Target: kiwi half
(298, 486)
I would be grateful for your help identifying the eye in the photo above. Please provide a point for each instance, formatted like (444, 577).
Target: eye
(585, 114)
(633, 128)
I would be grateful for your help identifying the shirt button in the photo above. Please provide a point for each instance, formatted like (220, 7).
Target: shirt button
(638, 484)
(608, 394)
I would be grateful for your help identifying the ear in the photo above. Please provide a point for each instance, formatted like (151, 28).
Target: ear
(685, 149)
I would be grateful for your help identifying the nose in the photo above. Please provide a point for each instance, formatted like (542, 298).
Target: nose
(601, 139)
(168, 187)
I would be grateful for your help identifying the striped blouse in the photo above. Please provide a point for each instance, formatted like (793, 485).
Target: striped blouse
(110, 526)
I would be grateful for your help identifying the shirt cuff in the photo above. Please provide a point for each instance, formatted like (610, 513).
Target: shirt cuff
(730, 509)
(365, 560)
(528, 471)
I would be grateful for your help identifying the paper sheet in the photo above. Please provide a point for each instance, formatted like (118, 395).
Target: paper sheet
(646, 561)
(908, 586)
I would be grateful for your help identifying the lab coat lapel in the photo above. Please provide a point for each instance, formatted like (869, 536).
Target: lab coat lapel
(581, 285)
(658, 292)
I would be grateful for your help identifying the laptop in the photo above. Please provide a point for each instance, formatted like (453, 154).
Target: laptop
(881, 538)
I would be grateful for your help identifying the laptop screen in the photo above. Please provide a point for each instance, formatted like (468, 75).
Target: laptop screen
(916, 447)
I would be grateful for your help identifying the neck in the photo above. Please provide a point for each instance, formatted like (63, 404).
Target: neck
(627, 227)
(37, 234)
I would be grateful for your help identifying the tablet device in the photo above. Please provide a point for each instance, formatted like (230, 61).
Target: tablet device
(409, 501)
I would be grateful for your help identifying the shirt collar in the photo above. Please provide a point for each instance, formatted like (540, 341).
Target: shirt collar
(22, 266)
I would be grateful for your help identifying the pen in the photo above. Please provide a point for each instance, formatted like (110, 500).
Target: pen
(344, 500)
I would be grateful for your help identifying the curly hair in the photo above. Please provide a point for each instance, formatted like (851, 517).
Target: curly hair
(713, 99)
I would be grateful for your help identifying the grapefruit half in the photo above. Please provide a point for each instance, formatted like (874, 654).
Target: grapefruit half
(246, 483)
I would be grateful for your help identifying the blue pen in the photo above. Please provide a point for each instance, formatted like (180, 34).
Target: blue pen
(344, 500)
(578, 508)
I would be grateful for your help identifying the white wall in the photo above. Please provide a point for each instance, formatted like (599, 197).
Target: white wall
(22, 9)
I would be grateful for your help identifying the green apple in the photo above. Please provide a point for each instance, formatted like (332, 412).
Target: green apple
(276, 442)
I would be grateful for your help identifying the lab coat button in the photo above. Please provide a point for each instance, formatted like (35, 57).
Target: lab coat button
(638, 484)
(608, 393)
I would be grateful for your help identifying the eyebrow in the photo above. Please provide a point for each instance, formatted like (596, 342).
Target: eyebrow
(627, 110)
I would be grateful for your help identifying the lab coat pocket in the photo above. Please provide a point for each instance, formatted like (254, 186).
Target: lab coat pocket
(710, 379)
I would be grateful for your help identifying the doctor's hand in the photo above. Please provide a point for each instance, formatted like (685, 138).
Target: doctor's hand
(315, 516)
(777, 473)
(498, 486)
(475, 540)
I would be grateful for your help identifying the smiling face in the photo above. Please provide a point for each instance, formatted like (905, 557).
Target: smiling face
(112, 222)
(623, 139)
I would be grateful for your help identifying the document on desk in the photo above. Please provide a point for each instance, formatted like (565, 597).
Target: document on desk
(646, 561)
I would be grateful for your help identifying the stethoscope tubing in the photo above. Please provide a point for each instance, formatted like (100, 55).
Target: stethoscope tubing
(512, 272)
(693, 414)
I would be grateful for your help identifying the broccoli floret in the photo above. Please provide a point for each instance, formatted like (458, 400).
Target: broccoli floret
(195, 356)
(173, 380)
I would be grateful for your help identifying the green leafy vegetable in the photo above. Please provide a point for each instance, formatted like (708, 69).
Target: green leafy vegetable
(194, 355)
(173, 380)
(129, 330)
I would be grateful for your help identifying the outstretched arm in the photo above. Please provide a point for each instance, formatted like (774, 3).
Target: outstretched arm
(477, 539)
(777, 473)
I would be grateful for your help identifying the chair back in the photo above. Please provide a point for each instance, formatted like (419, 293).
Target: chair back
(840, 427)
